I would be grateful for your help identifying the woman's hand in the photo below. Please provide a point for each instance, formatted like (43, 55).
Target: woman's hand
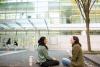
(70, 57)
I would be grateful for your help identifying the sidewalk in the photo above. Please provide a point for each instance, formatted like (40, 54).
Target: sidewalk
(11, 49)
(2, 53)
(95, 58)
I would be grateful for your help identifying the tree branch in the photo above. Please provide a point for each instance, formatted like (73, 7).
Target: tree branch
(80, 8)
(92, 5)
(81, 3)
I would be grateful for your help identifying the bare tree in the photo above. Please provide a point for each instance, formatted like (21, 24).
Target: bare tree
(85, 8)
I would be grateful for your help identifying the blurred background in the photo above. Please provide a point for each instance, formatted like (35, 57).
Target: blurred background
(25, 21)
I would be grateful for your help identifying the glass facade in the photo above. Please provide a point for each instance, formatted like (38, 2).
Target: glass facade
(54, 11)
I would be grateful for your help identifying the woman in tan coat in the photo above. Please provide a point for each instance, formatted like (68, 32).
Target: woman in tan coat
(77, 55)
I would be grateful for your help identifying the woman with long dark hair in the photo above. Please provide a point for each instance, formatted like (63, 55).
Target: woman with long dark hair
(9, 41)
(77, 55)
(44, 59)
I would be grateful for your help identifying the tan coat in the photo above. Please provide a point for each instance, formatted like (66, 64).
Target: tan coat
(77, 56)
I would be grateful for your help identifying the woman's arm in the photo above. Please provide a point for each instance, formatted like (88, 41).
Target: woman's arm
(45, 53)
(75, 52)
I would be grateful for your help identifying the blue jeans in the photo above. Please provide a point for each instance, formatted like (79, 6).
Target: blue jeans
(66, 62)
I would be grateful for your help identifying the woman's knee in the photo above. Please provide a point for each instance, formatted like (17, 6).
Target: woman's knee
(66, 62)
(56, 62)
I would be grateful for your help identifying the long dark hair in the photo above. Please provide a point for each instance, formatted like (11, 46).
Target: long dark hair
(41, 42)
(76, 41)
(9, 41)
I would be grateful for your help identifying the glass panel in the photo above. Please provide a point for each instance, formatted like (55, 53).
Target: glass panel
(53, 11)
(10, 16)
(2, 16)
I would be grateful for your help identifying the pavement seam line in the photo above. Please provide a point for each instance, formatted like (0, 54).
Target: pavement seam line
(13, 52)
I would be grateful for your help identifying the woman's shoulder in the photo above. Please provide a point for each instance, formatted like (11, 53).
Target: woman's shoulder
(41, 47)
(76, 46)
